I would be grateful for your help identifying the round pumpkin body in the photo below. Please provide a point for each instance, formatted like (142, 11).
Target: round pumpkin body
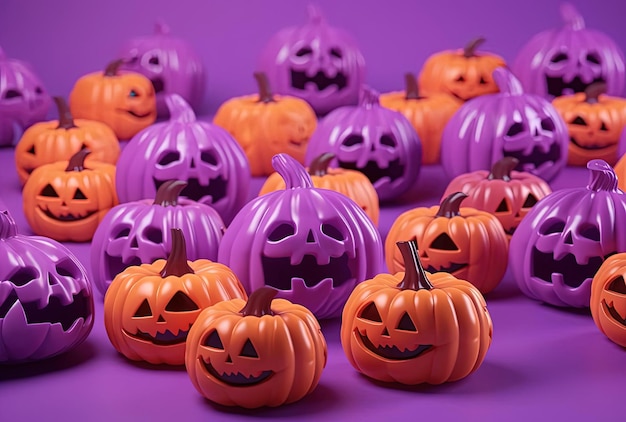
(608, 298)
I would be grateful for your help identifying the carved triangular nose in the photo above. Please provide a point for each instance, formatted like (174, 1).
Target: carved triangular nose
(133, 243)
(310, 238)
(228, 359)
(193, 164)
(568, 239)
(161, 319)
(385, 332)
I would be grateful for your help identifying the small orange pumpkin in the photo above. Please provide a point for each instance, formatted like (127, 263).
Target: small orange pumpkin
(265, 125)
(353, 184)
(414, 327)
(149, 309)
(428, 115)
(57, 140)
(266, 352)
(466, 242)
(595, 122)
(608, 298)
(464, 73)
(123, 100)
(67, 200)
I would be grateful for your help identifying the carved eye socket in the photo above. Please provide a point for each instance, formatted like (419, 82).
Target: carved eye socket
(353, 140)
(79, 194)
(304, 51)
(515, 129)
(461, 78)
(23, 276)
(282, 231)
(12, 93)
(618, 285)
(124, 232)
(590, 232)
(31, 150)
(209, 157)
(547, 124)
(38, 90)
(248, 350)
(370, 313)
(603, 127)
(332, 231)
(579, 121)
(133, 93)
(482, 81)
(552, 226)
(169, 158)
(335, 52)
(530, 201)
(153, 234)
(388, 140)
(444, 242)
(502, 206)
(49, 191)
(67, 268)
(559, 57)
(180, 302)
(593, 58)
(213, 340)
(144, 310)
(154, 60)
(406, 323)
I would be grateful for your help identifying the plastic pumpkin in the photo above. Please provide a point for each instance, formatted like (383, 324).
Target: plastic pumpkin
(125, 101)
(67, 200)
(465, 73)
(57, 140)
(567, 60)
(510, 123)
(314, 245)
(608, 298)
(23, 99)
(560, 245)
(316, 62)
(266, 124)
(374, 140)
(354, 184)
(46, 301)
(263, 352)
(202, 154)
(414, 327)
(509, 195)
(136, 233)
(171, 64)
(428, 115)
(620, 167)
(595, 122)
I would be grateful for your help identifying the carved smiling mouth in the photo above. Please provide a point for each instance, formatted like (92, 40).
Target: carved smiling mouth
(236, 379)
(68, 217)
(536, 158)
(557, 85)
(613, 312)
(135, 114)
(393, 352)
(279, 272)
(393, 171)
(162, 339)
(591, 147)
(544, 265)
(299, 79)
(158, 84)
(454, 267)
(195, 190)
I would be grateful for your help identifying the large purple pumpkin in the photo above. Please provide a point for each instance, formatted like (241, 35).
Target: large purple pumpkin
(507, 124)
(312, 244)
(202, 154)
(563, 240)
(567, 60)
(316, 62)
(138, 233)
(46, 301)
(169, 62)
(23, 99)
(377, 141)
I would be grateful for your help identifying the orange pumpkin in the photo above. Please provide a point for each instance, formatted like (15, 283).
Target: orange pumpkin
(149, 309)
(464, 73)
(265, 125)
(353, 184)
(608, 298)
(595, 122)
(125, 101)
(67, 200)
(620, 171)
(266, 352)
(466, 242)
(57, 140)
(428, 115)
(414, 327)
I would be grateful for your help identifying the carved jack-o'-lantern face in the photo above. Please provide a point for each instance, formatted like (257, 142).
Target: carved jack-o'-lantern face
(608, 299)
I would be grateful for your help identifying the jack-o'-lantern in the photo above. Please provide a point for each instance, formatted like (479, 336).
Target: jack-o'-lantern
(263, 352)
(149, 309)
(67, 200)
(414, 327)
(608, 298)
(125, 101)
(465, 242)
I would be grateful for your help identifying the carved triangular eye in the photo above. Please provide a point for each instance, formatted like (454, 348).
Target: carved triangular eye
(502, 206)
(530, 201)
(31, 150)
(406, 323)
(79, 194)
(144, 310)
(444, 242)
(618, 285)
(248, 350)
(213, 340)
(603, 127)
(370, 312)
(180, 302)
(49, 191)
(579, 121)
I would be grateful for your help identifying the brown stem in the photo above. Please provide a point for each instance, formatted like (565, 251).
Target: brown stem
(502, 169)
(265, 92)
(470, 49)
(176, 263)
(412, 91)
(319, 166)
(451, 205)
(113, 67)
(414, 274)
(168, 192)
(66, 120)
(594, 91)
(77, 161)
(260, 302)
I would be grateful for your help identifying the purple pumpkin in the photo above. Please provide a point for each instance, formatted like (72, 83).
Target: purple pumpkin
(567, 60)
(506, 124)
(204, 155)
(46, 301)
(138, 233)
(316, 62)
(23, 99)
(377, 141)
(560, 244)
(312, 244)
(170, 63)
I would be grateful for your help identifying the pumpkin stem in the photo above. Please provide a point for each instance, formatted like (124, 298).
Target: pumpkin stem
(113, 67)
(369, 97)
(8, 228)
(602, 176)
(319, 166)
(168, 192)
(470, 48)
(77, 161)
(451, 205)
(572, 17)
(507, 82)
(66, 120)
(414, 274)
(501, 170)
(176, 263)
(180, 110)
(594, 91)
(292, 172)
(260, 302)
(161, 28)
(411, 89)
(265, 92)
(315, 14)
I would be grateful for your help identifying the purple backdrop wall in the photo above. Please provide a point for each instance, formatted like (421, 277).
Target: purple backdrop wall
(67, 38)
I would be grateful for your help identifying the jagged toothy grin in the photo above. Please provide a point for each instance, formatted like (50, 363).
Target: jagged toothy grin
(279, 272)
(236, 379)
(392, 352)
(67, 217)
(216, 188)
(393, 171)
(536, 158)
(162, 339)
(557, 85)
(452, 268)
(543, 266)
(299, 80)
